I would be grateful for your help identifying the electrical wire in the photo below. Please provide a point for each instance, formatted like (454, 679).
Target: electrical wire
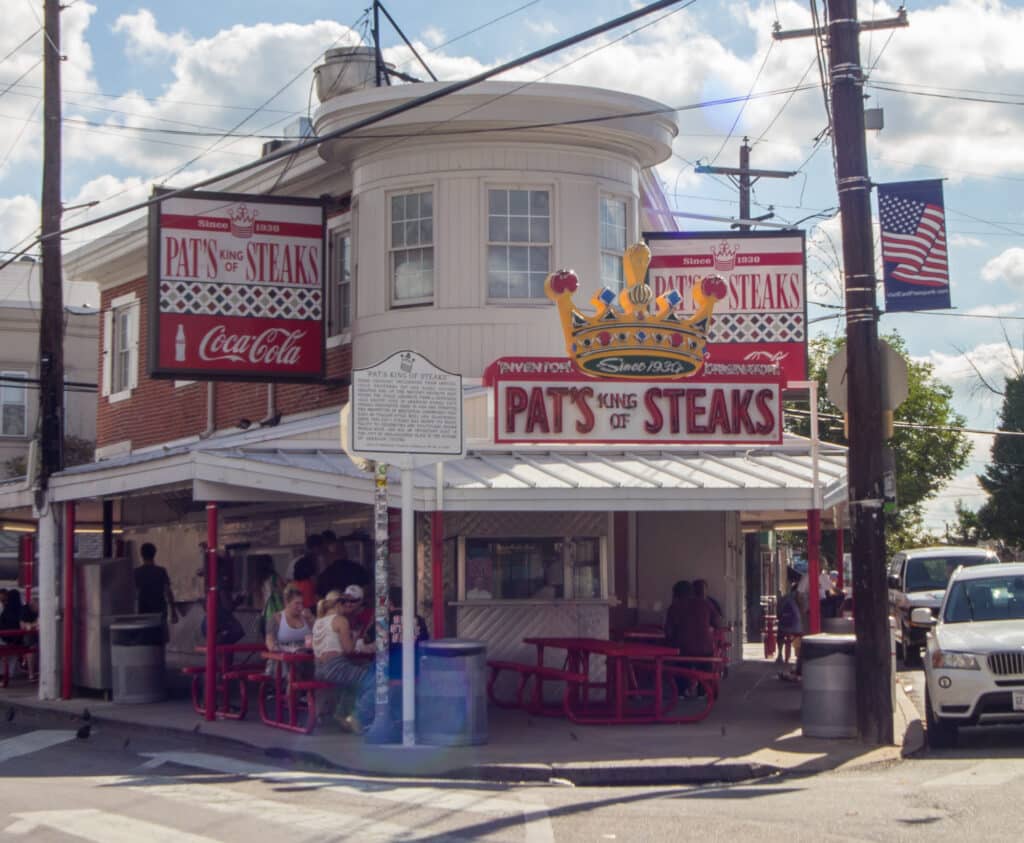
(936, 95)
(739, 113)
(778, 113)
(23, 75)
(22, 44)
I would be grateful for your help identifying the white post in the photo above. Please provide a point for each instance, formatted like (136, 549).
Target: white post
(46, 588)
(408, 614)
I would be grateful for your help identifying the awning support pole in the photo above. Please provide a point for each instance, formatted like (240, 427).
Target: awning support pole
(210, 697)
(813, 569)
(49, 642)
(382, 730)
(437, 570)
(408, 613)
(841, 579)
(67, 659)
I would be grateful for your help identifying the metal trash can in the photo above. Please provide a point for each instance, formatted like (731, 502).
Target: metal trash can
(829, 704)
(451, 692)
(137, 658)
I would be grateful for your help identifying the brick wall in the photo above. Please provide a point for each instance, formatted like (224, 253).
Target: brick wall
(158, 412)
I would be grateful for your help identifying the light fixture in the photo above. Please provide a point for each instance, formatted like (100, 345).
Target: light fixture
(14, 527)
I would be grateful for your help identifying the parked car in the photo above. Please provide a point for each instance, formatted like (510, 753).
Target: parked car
(974, 667)
(917, 580)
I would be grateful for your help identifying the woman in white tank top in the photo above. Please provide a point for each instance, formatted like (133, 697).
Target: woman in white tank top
(289, 628)
(333, 644)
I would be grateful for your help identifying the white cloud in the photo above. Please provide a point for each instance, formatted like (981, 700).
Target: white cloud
(1008, 267)
(19, 220)
(145, 40)
(545, 27)
(994, 310)
(434, 36)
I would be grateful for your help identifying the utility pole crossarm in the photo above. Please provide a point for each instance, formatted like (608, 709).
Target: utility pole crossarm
(780, 34)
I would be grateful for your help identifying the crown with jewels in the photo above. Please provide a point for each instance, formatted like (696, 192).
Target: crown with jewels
(405, 361)
(243, 220)
(630, 340)
(724, 257)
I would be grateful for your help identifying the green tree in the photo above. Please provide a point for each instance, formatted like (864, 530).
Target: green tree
(967, 529)
(927, 455)
(1003, 514)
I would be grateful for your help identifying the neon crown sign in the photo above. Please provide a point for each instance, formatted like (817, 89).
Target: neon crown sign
(631, 341)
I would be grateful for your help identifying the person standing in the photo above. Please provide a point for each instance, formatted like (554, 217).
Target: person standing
(153, 593)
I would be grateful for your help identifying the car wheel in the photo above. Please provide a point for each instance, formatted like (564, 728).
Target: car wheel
(941, 733)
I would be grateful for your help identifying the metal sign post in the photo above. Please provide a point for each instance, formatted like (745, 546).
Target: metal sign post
(404, 412)
(383, 730)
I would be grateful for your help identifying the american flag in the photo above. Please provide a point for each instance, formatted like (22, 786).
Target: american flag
(913, 239)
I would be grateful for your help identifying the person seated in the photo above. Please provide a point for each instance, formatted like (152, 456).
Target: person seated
(304, 580)
(334, 644)
(30, 623)
(289, 628)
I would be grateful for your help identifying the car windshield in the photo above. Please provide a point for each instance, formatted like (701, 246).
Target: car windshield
(932, 573)
(991, 599)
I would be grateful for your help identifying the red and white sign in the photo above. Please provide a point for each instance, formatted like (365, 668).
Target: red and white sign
(238, 286)
(546, 400)
(759, 330)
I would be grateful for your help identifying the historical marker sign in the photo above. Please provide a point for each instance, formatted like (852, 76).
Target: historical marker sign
(406, 405)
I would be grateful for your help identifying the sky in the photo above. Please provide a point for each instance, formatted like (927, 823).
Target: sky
(150, 89)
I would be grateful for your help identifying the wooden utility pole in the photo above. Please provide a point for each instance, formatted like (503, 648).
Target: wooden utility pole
(873, 662)
(743, 177)
(863, 378)
(51, 319)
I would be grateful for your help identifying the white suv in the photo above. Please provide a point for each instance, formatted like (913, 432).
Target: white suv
(974, 668)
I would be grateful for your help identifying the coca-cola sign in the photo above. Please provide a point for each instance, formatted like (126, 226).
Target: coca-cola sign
(236, 287)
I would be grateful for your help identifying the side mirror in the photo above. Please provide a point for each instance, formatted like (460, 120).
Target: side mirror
(922, 617)
(894, 582)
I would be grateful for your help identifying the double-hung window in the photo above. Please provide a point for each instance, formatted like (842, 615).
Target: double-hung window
(339, 293)
(518, 243)
(613, 241)
(121, 347)
(412, 248)
(13, 406)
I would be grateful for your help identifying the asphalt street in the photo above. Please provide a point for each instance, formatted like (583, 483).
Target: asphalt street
(119, 784)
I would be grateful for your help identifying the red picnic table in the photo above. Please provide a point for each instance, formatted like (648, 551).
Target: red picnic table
(228, 671)
(12, 645)
(623, 661)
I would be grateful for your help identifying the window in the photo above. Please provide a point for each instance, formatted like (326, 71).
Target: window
(518, 243)
(12, 404)
(339, 293)
(613, 241)
(121, 347)
(412, 248)
(532, 569)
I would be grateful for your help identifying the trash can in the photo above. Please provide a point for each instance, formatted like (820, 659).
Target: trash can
(840, 626)
(451, 692)
(829, 704)
(137, 658)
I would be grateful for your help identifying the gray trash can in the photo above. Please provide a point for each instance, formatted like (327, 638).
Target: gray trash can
(137, 658)
(451, 692)
(829, 704)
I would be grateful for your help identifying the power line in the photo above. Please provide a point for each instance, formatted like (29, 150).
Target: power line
(387, 113)
(739, 113)
(23, 75)
(778, 113)
(22, 44)
(960, 97)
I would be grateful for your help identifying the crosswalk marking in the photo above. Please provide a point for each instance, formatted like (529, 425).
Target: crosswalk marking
(536, 821)
(990, 773)
(440, 798)
(102, 827)
(31, 742)
(224, 800)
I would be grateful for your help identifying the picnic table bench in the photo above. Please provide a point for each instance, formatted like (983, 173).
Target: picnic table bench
(12, 645)
(228, 672)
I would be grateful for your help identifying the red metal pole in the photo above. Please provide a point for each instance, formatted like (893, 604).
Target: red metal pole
(211, 611)
(840, 567)
(437, 570)
(69, 600)
(27, 552)
(813, 568)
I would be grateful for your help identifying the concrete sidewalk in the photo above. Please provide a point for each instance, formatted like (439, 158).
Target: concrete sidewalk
(754, 731)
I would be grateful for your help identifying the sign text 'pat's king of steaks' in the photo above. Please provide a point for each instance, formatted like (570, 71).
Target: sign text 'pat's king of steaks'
(236, 287)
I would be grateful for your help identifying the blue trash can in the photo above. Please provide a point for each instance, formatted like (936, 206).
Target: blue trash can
(451, 692)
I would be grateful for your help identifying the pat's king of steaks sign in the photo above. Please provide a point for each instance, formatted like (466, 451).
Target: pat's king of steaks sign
(236, 287)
